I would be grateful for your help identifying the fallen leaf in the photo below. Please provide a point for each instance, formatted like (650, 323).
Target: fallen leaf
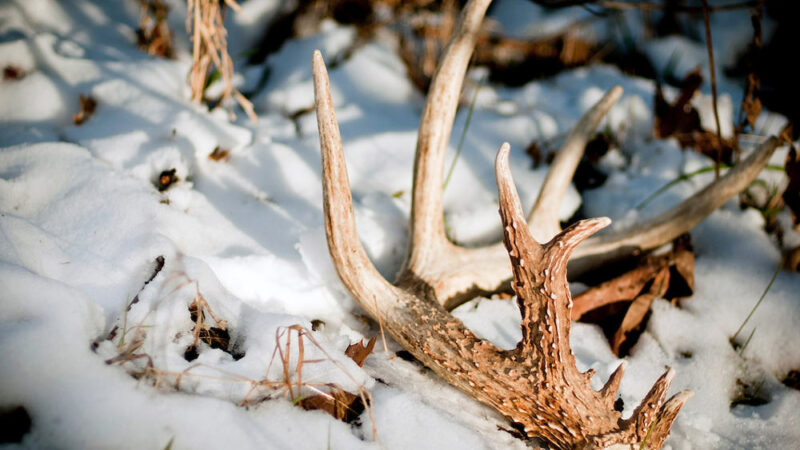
(12, 73)
(338, 403)
(219, 154)
(88, 106)
(751, 105)
(793, 259)
(682, 121)
(358, 352)
(639, 308)
(621, 305)
(679, 117)
(166, 179)
(153, 34)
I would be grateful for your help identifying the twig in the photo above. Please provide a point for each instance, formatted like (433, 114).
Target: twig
(707, 21)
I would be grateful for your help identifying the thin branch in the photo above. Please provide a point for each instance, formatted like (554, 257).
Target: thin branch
(710, 47)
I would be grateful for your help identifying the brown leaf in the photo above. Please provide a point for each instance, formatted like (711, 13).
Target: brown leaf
(11, 72)
(166, 179)
(751, 105)
(792, 261)
(153, 34)
(639, 309)
(682, 121)
(88, 105)
(219, 154)
(679, 117)
(338, 403)
(358, 352)
(620, 289)
(666, 276)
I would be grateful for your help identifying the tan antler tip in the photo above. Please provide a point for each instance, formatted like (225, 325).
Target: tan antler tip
(615, 93)
(502, 155)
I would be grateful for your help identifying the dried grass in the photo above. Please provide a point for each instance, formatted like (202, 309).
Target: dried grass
(205, 22)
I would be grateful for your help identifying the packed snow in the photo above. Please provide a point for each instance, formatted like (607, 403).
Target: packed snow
(84, 228)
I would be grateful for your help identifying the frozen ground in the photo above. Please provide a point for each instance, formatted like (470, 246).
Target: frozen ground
(82, 226)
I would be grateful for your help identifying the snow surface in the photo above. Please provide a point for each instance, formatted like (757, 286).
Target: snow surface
(82, 226)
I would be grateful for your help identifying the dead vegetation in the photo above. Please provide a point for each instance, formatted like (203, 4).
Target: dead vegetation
(205, 23)
(88, 105)
(290, 354)
(153, 34)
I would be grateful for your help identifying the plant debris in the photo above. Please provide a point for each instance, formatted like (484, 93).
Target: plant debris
(667, 276)
(11, 72)
(166, 179)
(682, 121)
(215, 337)
(219, 154)
(749, 394)
(88, 106)
(337, 402)
(358, 352)
(792, 379)
(206, 24)
(153, 34)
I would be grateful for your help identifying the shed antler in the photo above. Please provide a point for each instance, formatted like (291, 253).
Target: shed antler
(536, 384)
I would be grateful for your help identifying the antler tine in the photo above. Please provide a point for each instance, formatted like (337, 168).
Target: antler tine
(543, 216)
(539, 271)
(351, 261)
(427, 237)
(610, 389)
(676, 221)
(667, 415)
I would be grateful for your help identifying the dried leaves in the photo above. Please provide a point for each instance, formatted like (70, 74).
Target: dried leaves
(219, 154)
(88, 106)
(166, 179)
(682, 121)
(337, 402)
(667, 276)
(153, 34)
(358, 352)
(215, 337)
(12, 72)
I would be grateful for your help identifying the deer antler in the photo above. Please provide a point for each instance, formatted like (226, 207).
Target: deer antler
(537, 384)
(439, 275)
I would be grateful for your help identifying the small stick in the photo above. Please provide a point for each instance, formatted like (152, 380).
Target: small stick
(707, 21)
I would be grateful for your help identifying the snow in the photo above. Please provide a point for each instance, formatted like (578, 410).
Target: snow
(82, 226)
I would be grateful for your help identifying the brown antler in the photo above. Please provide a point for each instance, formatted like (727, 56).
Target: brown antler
(537, 384)
(438, 275)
